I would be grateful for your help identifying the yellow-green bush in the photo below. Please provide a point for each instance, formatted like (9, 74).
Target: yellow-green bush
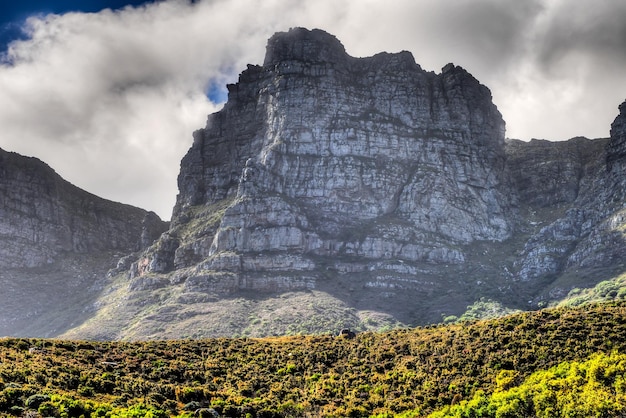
(592, 388)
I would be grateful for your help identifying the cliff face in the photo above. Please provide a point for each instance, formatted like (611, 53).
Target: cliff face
(55, 241)
(558, 183)
(43, 217)
(616, 151)
(319, 157)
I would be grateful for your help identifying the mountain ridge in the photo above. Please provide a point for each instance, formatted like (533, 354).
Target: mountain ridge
(57, 243)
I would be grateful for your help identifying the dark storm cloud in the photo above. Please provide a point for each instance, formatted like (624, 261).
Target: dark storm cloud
(481, 34)
(571, 78)
(590, 30)
(488, 34)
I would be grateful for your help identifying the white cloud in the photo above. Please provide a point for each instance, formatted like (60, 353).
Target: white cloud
(110, 99)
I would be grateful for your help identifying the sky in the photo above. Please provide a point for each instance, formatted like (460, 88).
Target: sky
(108, 93)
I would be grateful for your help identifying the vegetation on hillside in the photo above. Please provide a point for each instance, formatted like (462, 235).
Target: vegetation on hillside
(402, 372)
(606, 290)
(484, 308)
(591, 388)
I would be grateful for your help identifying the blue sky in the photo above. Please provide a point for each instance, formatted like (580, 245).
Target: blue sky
(13, 13)
(110, 98)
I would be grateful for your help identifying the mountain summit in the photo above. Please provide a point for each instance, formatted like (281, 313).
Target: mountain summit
(334, 191)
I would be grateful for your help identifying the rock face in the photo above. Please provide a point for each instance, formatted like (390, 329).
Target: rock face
(548, 174)
(616, 151)
(319, 157)
(43, 217)
(558, 184)
(577, 190)
(54, 236)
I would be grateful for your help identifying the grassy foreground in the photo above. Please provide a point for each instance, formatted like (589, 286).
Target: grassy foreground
(446, 370)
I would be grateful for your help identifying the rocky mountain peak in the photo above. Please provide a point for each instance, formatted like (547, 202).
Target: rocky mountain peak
(300, 44)
(616, 149)
(324, 168)
(302, 105)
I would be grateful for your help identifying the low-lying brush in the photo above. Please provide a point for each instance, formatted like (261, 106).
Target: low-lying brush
(403, 372)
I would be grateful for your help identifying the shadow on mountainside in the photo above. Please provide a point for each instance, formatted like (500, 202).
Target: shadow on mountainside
(47, 301)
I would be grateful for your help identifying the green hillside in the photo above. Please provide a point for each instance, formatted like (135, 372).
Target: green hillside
(606, 290)
(404, 372)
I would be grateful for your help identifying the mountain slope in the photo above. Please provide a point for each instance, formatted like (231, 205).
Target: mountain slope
(418, 370)
(56, 244)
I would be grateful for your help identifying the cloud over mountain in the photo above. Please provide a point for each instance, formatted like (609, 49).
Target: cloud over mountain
(110, 99)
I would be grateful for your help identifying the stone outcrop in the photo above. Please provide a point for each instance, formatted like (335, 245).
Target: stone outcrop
(616, 150)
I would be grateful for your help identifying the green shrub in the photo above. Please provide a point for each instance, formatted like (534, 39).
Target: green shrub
(85, 390)
(593, 388)
(48, 409)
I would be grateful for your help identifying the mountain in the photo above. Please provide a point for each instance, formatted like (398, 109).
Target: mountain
(334, 191)
(56, 244)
